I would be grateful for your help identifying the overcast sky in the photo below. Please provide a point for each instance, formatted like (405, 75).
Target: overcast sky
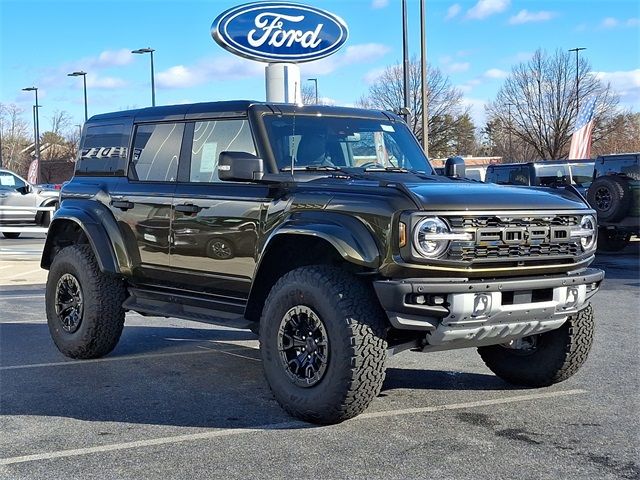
(475, 42)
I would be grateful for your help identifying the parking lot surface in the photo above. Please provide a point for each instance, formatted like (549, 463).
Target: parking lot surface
(178, 399)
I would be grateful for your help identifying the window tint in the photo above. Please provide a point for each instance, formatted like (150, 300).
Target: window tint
(508, 175)
(156, 149)
(213, 137)
(104, 150)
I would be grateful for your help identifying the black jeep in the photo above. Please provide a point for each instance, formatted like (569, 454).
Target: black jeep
(615, 196)
(339, 245)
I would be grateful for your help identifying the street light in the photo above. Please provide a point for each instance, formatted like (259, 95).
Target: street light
(84, 81)
(509, 105)
(153, 87)
(577, 50)
(315, 81)
(405, 62)
(36, 127)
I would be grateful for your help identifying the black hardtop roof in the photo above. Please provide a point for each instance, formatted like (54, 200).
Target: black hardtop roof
(542, 162)
(171, 112)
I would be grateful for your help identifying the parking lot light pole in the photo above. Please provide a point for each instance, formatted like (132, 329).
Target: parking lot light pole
(405, 62)
(153, 87)
(36, 127)
(509, 105)
(84, 79)
(315, 81)
(577, 50)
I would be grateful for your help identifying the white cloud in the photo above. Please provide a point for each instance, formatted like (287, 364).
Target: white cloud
(363, 53)
(379, 3)
(453, 11)
(525, 16)
(106, 83)
(457, 67)
(372, 75)
(486, 8)
(609, 22)
(626, 84)
(495, 73)
(208, 70)
(113, 58)
(632, 22)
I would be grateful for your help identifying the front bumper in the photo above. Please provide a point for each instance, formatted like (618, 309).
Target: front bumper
(456, 313)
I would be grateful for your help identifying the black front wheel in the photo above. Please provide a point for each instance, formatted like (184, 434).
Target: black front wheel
(322, 341)
(543, 359)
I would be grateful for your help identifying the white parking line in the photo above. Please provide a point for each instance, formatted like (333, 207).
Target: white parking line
(20, 297)
(227, 352)
(22, 274)
(274, 426)
(119, 359)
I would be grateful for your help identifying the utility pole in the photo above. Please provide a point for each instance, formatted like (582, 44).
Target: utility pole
(423, 75)
(405, 62)
(577, 50)
(509, 105)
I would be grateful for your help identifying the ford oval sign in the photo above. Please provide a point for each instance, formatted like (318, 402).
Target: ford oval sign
(279, 32)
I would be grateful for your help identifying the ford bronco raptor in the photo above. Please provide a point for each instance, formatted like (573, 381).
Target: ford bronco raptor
(327, 230)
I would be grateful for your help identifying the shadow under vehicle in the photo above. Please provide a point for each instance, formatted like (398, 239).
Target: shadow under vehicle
(347, 247)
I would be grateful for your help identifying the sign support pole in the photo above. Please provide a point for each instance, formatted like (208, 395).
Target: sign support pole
(283, 83)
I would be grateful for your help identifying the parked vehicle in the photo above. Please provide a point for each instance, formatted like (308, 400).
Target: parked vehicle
(15, 191)
(615, 196)
(353, 248)
(544, 173)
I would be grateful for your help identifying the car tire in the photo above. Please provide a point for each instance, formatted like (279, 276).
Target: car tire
(83, 304)
(47, 216)
(348, 330)
(549, 358)
(220, 249)
(612, 240)
(610, 197)
(11, 235)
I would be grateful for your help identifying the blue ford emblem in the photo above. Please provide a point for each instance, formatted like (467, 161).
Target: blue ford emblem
(279, 32)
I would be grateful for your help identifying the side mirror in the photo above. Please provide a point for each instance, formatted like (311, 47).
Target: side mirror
(454, 167)
(240, 167)
(24, 189)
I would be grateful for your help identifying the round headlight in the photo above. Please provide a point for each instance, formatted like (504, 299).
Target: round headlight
(426, 237)
(588, 223)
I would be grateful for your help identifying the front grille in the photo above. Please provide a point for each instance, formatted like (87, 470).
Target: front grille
(518, 237)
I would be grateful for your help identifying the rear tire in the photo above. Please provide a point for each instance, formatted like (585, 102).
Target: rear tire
(347, 329)
(552, 357)
(610, 197)
(83, 304)
(11, 235)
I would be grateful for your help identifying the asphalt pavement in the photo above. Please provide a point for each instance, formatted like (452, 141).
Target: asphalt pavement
(178, 399)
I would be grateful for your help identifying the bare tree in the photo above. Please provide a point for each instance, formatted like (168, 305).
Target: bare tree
(623, 137)
(308, 94)
(15, 138)
(542, 95)
(444, 103)
(60, 122)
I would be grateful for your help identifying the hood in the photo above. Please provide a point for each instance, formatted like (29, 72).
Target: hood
(461, 195)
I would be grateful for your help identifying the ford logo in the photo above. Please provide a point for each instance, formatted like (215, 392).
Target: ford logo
(279, 32)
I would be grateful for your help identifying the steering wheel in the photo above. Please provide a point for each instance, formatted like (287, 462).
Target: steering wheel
(372, 164)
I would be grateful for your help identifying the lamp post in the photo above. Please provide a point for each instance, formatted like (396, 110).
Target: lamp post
(577, 50)
(153, 87)
(509, 105)
(405, 62)
(315, 81)
(36, 127)
(423, 77)
(84, 81)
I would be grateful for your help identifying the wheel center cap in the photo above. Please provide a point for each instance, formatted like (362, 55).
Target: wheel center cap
(311, 345)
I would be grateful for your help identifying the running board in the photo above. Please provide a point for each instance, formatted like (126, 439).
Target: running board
(161, 304)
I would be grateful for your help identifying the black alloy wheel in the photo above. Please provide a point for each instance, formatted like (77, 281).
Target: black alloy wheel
(303, 346)
(69, 302)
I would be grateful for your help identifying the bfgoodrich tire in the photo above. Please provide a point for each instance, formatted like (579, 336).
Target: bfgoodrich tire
(322, 341)
(547, 358)
(84, 305)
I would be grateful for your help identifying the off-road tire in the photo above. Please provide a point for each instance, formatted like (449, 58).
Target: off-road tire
(559, 354)
(11, 235)
(610, 197)
(355, 326)
(612, 241)
(102, 318)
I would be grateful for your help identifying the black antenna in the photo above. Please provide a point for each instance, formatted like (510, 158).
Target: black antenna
(293, 135)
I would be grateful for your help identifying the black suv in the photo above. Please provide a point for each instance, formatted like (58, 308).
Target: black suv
(615, 196)
(327, 229)
(545, 173)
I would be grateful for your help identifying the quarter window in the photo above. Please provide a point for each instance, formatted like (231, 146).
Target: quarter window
(156, 149)
(213, 137)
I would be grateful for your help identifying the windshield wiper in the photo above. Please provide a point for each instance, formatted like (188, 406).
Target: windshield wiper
(313, 168)
(417, 173)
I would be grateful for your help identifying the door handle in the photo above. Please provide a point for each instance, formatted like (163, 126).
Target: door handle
(122, 204)
(188, 208)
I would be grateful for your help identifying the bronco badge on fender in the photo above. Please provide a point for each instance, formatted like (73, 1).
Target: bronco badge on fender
(278, 32)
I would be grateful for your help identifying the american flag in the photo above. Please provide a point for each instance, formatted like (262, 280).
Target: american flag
(581, 140)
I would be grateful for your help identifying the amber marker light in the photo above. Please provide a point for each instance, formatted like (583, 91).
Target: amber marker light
(402, 234)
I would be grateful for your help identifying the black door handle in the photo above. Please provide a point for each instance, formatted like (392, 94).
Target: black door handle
(122, 204)
(188, 208)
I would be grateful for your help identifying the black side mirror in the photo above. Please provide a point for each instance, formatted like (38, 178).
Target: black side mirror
(454, 167)
(240, 167)
(24, 189)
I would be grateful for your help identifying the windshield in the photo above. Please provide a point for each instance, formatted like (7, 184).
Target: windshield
(320, 141)
(582, 174)
(548, 175)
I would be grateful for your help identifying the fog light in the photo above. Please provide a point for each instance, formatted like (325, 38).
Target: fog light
(572, 297)
(481, 305)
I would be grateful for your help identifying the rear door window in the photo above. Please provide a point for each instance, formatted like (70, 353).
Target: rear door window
(156, 149)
